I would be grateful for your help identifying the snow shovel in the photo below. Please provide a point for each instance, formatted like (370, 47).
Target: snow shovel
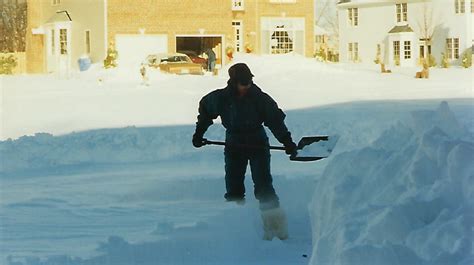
(309, 148)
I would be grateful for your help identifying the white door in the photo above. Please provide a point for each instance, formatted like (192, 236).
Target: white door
(133, 49)
(58, 49)
(64, 50)
(238, 36)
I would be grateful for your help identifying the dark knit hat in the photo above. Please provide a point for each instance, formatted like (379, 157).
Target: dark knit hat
(240, 73)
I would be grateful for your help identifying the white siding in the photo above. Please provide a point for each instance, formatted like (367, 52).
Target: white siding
(377, 18)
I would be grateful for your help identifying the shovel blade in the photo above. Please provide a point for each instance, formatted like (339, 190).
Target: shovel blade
(313, 148)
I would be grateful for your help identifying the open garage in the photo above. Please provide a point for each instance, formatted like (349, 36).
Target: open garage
(199, 44)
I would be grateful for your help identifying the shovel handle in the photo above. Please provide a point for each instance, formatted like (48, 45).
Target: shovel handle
(206, 142)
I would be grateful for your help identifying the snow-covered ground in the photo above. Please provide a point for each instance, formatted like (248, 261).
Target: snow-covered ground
(32, 104)
(397, 190)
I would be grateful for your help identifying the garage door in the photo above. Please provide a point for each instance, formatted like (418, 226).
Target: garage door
(133, 49)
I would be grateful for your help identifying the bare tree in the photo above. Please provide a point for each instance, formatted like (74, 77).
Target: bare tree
(13, 25)
(326, 17)
(322, 8)
(427, 25)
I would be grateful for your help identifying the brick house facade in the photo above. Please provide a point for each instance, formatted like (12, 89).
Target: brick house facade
(258, 26)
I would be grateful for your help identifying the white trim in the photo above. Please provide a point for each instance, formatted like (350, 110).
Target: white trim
(282, 1)
(38, 31)
(199, 35)
(238, 8)
(106, 32)
(241, 30)
(270, 23)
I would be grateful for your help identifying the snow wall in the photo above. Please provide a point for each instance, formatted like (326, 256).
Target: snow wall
(406, 198)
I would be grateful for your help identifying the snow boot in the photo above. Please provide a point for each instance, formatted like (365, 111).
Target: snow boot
(274, 224)
(237, 200)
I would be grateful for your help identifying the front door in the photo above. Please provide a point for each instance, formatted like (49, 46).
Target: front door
(58, 53)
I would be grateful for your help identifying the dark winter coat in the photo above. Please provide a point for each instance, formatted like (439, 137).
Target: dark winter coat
(211, 55)
(243, 117)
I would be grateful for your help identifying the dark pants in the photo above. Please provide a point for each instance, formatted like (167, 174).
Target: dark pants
(235, 166)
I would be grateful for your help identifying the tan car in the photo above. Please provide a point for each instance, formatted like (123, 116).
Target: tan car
(174, 63)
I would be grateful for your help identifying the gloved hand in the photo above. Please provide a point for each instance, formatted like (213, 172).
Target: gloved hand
(198, 140)
(290, 148)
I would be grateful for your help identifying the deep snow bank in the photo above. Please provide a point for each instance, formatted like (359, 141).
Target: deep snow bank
(407, 198)
(358, 123)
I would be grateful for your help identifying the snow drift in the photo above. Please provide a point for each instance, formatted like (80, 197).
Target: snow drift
(391, 193)
(407, 198)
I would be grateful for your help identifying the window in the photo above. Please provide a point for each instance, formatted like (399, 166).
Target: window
(452, 48)
(407, 49)
(55, 2)
(53, 42)
(350, 51)
(396, 50)
(63, 41)
(456, 48)
(281, 42)
(237, 4)
(88, 41)
(353, 51)
(460, 6)
(402, 12)
(353, 16)
(425, 48)
(320, 39)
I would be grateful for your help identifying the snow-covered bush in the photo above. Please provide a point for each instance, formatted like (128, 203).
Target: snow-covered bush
(467, 59)
(7, 64)
(112, 55)
(444, 60)
(432, 61)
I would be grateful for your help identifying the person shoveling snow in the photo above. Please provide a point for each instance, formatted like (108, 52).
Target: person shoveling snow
(244, 108)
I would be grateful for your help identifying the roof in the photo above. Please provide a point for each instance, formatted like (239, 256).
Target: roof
(400, 29)
(367, 3)
(60, 16)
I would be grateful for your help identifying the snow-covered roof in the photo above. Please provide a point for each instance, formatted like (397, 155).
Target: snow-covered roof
(357, 3)
(400, 29)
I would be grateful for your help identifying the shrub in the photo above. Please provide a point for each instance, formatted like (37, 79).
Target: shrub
(444, 60)
(467, 59)
(7, 64)
(432, 60)
(111, 59)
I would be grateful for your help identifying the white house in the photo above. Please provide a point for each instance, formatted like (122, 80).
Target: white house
(403, 31)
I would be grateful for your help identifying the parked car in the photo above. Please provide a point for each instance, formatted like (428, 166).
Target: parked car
(196, 58)
(175, 63)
